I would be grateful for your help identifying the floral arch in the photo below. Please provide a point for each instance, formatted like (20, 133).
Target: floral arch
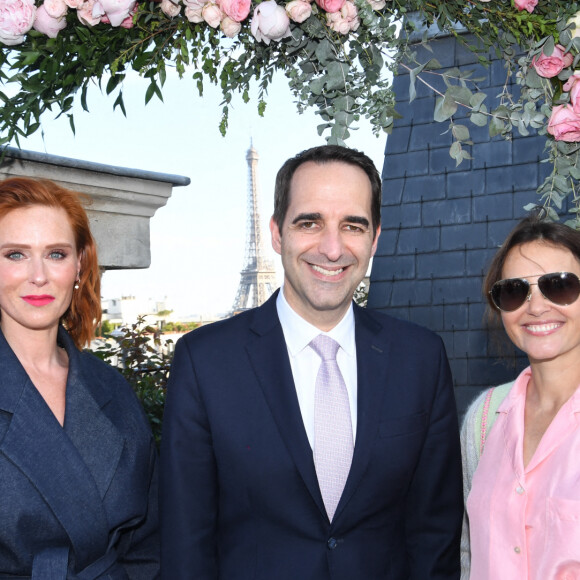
(338, 57)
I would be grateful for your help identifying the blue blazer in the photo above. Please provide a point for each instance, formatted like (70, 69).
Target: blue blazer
(76, 502)
(240, 497)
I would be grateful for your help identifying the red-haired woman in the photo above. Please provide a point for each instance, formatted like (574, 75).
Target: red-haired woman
(77, 459)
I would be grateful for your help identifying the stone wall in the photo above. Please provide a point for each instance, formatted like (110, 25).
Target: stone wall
(121, 200)
(441, 224)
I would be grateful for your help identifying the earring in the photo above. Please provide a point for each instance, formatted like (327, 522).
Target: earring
(77, 282)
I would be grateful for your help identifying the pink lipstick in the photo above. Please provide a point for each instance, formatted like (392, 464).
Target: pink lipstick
(38, 300)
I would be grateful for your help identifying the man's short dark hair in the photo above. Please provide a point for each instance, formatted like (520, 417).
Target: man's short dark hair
(321, 155)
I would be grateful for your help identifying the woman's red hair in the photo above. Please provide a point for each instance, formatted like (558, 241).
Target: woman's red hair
(84, 312)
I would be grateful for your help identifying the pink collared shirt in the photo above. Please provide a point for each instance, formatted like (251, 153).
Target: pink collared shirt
(525, 523)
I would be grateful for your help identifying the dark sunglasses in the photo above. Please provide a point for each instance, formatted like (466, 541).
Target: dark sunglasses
(561, 288)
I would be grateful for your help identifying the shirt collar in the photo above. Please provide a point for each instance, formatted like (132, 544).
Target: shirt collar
(298, 333)
(518, 391)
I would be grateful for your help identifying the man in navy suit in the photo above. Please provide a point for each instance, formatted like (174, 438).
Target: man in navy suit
(248, 441)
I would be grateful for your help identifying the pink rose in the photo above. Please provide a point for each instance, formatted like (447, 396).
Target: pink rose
(55, 8)
(569, 570)
(330, 5)
(237, 10)
(230, 27)
(115, 10)
(74, 3)
(270, 22)
(380, 4)
(16, 19)
(193, 12)
(299, 10)
(551, 66)
(212, 14)
(85, 13)
(128, 22)
(47, 24)
(170, 8)
(564, 124)
(528, 5)
(572, 86)
(344, 21)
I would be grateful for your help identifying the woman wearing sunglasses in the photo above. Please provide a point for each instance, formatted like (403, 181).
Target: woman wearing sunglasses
(522, 477)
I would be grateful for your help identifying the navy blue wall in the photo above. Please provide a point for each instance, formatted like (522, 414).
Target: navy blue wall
(441, 224)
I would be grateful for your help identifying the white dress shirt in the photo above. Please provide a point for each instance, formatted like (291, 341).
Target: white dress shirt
(305, 362)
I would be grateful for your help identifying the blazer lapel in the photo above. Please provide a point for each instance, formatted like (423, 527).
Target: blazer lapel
(86, 424)
(269, 357)
(372, 353)
(36, 443)
(43, 451)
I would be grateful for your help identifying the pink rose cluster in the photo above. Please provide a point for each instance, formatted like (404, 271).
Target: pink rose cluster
(51, 14)
(345, 20)
(564, 123)
(17, 17)
(227, 14)
(270, 21)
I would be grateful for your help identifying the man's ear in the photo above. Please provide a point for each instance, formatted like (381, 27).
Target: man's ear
(276, 236)
(376, 241)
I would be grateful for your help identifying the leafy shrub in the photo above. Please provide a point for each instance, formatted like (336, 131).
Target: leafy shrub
(144, 360)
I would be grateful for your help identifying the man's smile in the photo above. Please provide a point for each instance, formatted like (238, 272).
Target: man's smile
(327, 272)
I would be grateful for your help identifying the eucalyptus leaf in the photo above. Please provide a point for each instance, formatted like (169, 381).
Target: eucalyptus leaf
(461, 132)
(445, 108)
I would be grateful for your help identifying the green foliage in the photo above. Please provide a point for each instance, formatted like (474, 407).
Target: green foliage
(104, 328)
(343, 77)
(526, 100)
(144, 360)
(179, 326)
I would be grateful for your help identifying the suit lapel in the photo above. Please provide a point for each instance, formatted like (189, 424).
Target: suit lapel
(43, 451)
(372, 353)
(269, 357)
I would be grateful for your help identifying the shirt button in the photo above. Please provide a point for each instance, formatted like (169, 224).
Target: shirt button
(517, 550)
(332, 543)
(520, 490)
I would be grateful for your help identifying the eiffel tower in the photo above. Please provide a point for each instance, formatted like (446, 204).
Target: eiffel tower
(258, 278)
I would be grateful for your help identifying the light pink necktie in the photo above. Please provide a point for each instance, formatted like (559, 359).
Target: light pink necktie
(333, 441)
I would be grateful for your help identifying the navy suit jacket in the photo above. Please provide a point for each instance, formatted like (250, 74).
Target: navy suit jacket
(240, 497)
(77, 502)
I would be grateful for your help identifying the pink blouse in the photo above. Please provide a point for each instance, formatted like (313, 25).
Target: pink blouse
(525, 523)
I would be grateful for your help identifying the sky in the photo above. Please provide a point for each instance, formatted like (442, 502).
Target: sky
(198, 238)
